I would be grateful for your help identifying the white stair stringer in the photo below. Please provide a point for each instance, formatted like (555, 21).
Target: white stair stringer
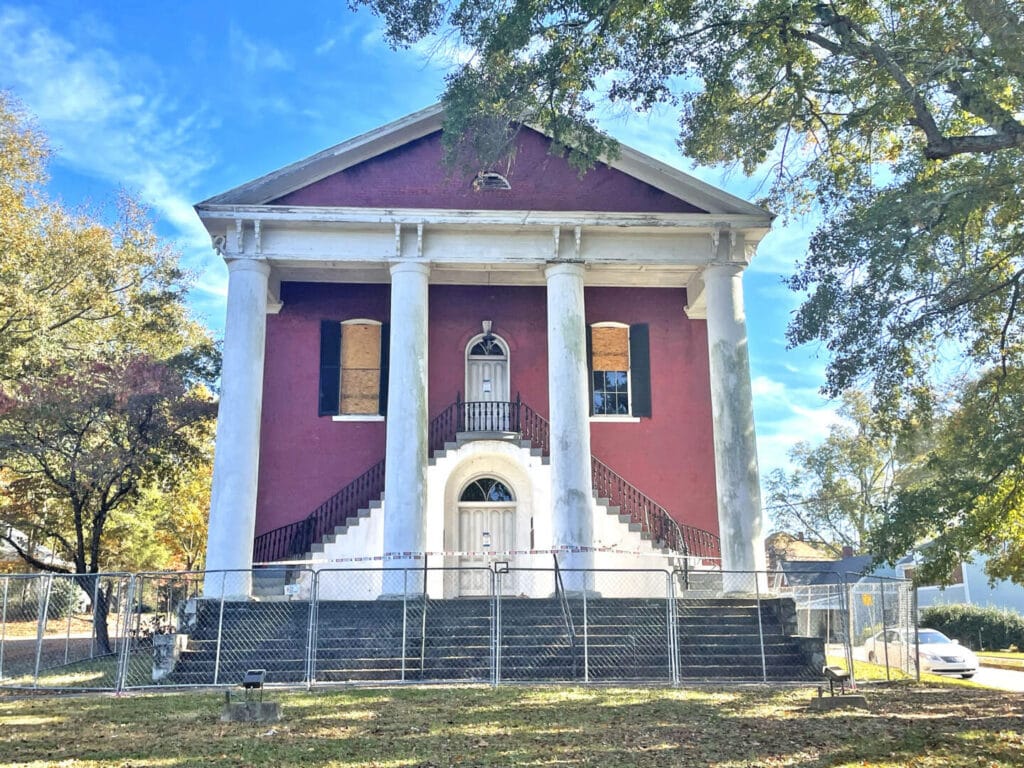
(350, 549)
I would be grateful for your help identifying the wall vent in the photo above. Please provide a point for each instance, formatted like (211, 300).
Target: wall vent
(489, 180)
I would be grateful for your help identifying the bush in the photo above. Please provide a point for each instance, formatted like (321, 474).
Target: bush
(976, 627)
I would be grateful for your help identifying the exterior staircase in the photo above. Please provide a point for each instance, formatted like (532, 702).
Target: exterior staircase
(353, 641)
(339, 517)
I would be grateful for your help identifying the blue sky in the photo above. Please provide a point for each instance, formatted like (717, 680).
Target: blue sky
(176, 102)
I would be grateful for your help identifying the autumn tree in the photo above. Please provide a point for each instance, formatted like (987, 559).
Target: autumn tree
(968, 497)
(837, 491)
(105, 382)
(900, 124)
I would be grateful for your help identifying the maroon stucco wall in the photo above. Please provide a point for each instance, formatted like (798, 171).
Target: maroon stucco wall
(305, 458)
(413, 176)
(670, 456)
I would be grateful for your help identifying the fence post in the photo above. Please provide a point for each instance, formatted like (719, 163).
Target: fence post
(885, 632)
(405, 616)
(123, 655)
(917, 640)
(3, 626)
(41, 628)
(493, 628)
(671, 629)
(760, 627)
(312, 632)
(586, 641)
(220, 627)
(497, 630)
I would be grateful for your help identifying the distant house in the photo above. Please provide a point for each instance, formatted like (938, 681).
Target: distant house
(969, 585)
(844, 597)
(783, 547)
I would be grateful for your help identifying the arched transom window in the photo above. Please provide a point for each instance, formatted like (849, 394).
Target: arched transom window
(486, 489)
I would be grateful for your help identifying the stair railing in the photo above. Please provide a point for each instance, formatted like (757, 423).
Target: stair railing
(652, 517)
(563, 602)
(294, 540)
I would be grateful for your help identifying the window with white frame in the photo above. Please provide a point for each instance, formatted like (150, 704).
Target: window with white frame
(619, 369)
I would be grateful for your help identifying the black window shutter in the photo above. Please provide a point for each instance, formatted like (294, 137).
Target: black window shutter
(640, 369)
(590, 370)
(385, 346)
(330, 367)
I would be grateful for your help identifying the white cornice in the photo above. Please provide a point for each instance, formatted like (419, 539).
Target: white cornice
(747, 222)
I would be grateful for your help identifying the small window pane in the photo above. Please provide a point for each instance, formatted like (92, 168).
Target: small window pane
(486, 489)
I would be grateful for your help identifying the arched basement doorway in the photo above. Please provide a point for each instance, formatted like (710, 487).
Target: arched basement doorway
(486, 525)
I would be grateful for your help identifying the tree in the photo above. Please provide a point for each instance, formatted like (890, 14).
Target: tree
(901, 123)
(969, 497)
(838, 490)
(104, 379)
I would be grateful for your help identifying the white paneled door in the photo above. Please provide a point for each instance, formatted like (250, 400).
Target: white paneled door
(485, 529)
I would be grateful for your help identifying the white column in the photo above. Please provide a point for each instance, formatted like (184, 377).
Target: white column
(736, 474)
(237, 452)
(405, 472)
(568, 394)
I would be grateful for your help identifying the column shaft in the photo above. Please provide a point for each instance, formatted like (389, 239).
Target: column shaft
(571, 484)
(736, 473)
(405, 473)
(236, 457)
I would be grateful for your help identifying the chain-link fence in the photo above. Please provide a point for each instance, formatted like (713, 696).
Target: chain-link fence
(532, 622)
(63, 630)
(860, 618)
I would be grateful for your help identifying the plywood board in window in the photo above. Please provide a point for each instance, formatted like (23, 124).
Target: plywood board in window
(610, 349)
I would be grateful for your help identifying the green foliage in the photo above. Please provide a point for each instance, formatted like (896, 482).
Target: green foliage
(901, 123)
(104, 379)
(969, 494)
(976, 626)
(836, 493)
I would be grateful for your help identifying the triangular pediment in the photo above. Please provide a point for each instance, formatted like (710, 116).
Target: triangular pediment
(400, 166)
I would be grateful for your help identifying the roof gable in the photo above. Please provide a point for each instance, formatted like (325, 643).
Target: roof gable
(414, 176)
(390, 158)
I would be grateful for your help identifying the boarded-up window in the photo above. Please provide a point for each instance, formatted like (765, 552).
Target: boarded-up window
(360, 368)
(620, 370)
(609, 355)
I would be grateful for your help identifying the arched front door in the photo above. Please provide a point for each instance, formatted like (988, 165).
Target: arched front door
(487, 385)
(486, 524)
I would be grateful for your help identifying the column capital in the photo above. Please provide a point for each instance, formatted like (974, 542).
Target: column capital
(249, 265)
(573, 268)
(724, 269)
(410, 266)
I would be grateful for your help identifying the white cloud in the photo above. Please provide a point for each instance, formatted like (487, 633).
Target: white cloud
(108, 118)
(254, 55)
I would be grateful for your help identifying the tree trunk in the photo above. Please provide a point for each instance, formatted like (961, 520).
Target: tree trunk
(100, 599)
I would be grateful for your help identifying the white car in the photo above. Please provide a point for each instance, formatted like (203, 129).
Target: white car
(936, 652)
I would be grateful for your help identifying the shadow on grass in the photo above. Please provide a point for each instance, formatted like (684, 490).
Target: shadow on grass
(923, 726)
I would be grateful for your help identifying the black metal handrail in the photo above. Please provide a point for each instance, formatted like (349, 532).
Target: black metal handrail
(653, 518)
(513, 416)
(563, 602)
(294, 540)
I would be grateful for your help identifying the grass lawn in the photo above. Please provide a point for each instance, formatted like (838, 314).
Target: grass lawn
(907, 725)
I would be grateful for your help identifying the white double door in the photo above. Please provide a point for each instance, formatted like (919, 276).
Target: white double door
(487, 530)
